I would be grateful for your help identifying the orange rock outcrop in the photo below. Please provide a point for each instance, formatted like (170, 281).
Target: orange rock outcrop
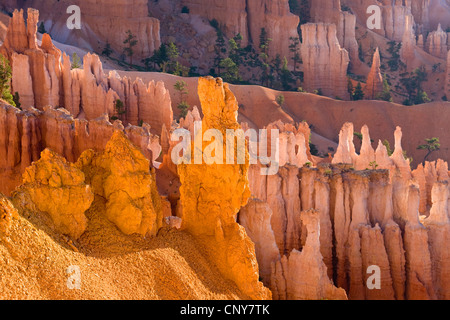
(56, 187)
(120, 174)
(212, 195)
(7, 212)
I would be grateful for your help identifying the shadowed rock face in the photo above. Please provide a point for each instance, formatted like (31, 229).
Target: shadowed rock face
(101, 22)
(249, 17)
(312, 283)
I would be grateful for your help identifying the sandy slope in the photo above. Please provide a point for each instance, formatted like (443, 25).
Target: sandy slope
(113, 266)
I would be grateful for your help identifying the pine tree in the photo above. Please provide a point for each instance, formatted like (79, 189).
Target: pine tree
(159, 57)
(230, 71)
(107, 51)
(131, 42)
(385, 95)
(358, 94)
(286, 75)
(280, 100)
(172, 65)
(16, 99)
(235, 49)
(183, 106)
(431, 146)
(350, 88)
(294, 48)
(264, 42)
(76, 61)
(5, 79)
(220, 50)
(41, 28)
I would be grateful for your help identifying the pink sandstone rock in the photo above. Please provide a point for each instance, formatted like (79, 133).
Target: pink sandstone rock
(255, 218)
(102, 22)
(248, 17)
(438, 227)
(326, 11)
(42, 76)
(437, 43)
(325, 62)
(447, 77)
(374, 84)
(303, 275)
(372, 217)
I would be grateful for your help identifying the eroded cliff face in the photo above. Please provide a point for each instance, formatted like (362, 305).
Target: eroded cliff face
(24, 134)
(249, 17)
(372, 210)
(437, 43)
(43, 76)
(101, 22)
(326, 11)
(303, 275)
(211, 196)
(325, 63)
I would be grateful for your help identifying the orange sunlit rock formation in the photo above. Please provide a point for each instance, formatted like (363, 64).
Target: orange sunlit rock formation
(58, 188)
(86, 156)
(211, 196)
